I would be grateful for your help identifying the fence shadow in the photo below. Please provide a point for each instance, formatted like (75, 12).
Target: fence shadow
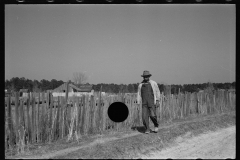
(140, 129)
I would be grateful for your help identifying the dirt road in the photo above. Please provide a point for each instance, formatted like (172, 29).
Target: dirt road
(220, 145)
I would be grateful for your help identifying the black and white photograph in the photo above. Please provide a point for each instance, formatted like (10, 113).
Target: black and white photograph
(120, 81)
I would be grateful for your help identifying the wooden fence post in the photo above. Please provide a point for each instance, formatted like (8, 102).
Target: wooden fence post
(183, 105)
(227, 100)
(10, 121)
(95, 130)
(28, 118)
(161, 106)
(58, 118)
(21, 114)
(224, 100)
(76, 102)
(230, 100)
(170, 107)
(99, 115)
(191, 103)
(221, 100)
(38, 119)
(199, 103)
(43, 119)
(214, 102)
(16, 116)
(33, 118)
(87, 114)
(90, 128)
(195, 103)
(56, 109)
(105, 115)
(79, 114)
(6, 124)
(82, 121)
(64, 116)
(61, 117)
(50, 105)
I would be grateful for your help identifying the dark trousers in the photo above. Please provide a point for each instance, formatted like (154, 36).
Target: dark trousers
(149, 111)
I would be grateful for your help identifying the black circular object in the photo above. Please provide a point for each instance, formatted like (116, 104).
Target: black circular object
(118, 112)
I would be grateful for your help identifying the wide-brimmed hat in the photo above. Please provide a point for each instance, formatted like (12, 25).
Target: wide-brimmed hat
(146, 74)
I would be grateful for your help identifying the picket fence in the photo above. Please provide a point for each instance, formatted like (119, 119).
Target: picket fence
(39, 117)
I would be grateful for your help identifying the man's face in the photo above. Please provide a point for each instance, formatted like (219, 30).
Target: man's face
(146, 78)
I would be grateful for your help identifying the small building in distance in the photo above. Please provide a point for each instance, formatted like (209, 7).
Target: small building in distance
(8, 92)
(232, 90)
(73, 89)
(49, 90)
(23, 92)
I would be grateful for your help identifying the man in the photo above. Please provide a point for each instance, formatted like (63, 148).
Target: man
(149, 94)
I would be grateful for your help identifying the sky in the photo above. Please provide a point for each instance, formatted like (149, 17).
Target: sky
(178, 44)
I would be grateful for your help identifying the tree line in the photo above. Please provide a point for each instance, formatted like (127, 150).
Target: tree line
(15, 84)
(173, 89)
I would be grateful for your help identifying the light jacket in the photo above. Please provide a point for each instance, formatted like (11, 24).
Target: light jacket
(155, 88)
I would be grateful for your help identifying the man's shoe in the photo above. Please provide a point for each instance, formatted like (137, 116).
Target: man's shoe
(147, 132)
(156, 129)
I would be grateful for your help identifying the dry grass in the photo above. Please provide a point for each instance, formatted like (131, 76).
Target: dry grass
(73, 125)
(144, 144)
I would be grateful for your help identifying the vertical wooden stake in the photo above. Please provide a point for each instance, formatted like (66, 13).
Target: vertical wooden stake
(10, 121)
(33, 119)
(16, 116)
(28, 119)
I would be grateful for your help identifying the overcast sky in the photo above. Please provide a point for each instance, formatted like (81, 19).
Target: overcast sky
(178, 44)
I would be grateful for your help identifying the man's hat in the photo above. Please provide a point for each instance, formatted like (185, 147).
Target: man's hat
(146, 74)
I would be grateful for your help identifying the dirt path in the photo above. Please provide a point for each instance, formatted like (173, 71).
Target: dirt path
(220, 145)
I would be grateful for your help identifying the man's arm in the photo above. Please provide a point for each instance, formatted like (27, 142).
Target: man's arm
(138, 94)
(157, 91)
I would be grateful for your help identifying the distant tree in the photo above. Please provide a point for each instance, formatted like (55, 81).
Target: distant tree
(7, 84)
(116, 88)
(110, 88)
(16, 83)
(97, 87)
(53, 84)
(173, 89)
(125, 89)
(161, 87)
(130, 88)
(28, 85)
(79, 78)
(45, 85)
(20, 83)
(167, 89)
(36, 86)
(12, 87)
(135, 87)
(59, 83)
(227, 85)
(121, 88)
